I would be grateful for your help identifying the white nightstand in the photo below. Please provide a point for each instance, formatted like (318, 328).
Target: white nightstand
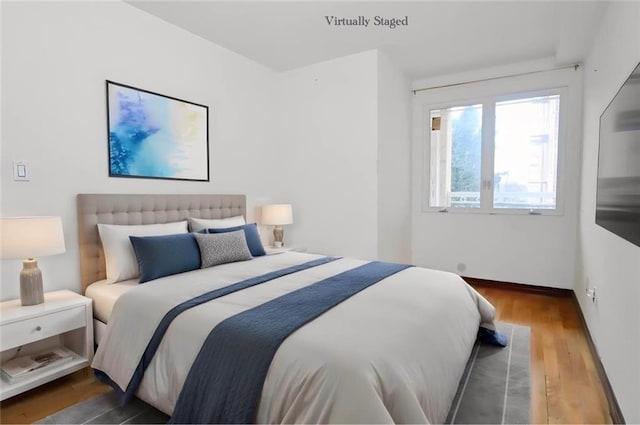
(271, 250)
(64, 319)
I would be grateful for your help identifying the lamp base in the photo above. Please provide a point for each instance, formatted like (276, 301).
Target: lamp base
(278, 236)
(31, 292)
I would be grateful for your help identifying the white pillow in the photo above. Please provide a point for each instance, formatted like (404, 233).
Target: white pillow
(197, 224)
(118, 251)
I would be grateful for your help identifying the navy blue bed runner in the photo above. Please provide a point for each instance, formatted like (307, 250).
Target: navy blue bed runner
(226, 379)
(154, 343)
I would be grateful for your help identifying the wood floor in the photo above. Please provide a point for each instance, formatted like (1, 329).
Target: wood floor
(41, 402)
(565, 387)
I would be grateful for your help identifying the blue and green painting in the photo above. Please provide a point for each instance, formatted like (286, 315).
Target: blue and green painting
(155, 136)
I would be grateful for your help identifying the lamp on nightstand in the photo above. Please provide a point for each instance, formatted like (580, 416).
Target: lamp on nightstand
(26, 238)
(277, 215)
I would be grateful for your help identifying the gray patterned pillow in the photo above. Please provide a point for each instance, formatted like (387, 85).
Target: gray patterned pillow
(221, 248)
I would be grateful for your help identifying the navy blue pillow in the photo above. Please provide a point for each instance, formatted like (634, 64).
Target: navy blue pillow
(251, 235)
(165, 255)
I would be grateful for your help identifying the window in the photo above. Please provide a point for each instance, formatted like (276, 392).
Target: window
(456, 144)
(498, 154)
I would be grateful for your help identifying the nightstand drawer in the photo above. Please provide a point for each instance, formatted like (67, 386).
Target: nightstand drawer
(30, 330)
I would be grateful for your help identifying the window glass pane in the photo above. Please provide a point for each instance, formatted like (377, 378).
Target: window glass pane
(526, 153)
(455, 143)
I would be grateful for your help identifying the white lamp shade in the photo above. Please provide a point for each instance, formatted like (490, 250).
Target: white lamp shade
(277, 214)
(30, 237)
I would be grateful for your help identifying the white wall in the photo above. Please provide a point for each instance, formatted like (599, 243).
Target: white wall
(311, 136)
(344, 143)
(327, 147)
(55, 59)
(605, 260)
(394, 163)
(538, 250)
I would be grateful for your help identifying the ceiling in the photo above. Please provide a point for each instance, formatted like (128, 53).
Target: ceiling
(441, 37)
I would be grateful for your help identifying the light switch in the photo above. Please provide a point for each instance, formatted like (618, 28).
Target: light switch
(20, 171)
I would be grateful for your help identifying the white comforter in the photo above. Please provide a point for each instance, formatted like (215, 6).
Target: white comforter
(394, 352)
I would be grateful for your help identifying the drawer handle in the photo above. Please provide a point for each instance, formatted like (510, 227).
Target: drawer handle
(38, 329)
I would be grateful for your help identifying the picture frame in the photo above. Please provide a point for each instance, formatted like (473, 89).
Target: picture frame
(155, 136)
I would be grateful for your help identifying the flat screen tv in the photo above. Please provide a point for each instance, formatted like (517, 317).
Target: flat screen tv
(618, 196)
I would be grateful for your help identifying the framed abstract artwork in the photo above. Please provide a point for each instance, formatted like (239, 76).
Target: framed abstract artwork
(156, 136)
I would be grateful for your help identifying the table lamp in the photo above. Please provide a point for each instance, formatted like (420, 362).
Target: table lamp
(26, 238)
(278, 215)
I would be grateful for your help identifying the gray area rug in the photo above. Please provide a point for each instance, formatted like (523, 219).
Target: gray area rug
(496, 387)
(494, 390)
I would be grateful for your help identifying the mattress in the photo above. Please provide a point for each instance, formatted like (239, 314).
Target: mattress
(105, 295)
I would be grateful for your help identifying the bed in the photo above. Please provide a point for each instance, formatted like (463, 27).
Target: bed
(394, 351)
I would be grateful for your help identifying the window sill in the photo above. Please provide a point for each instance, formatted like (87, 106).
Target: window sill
(477, 211)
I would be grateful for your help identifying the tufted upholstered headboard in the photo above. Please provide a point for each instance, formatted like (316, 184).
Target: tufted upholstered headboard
(140, 209)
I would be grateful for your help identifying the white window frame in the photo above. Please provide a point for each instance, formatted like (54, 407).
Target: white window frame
(487, 156)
